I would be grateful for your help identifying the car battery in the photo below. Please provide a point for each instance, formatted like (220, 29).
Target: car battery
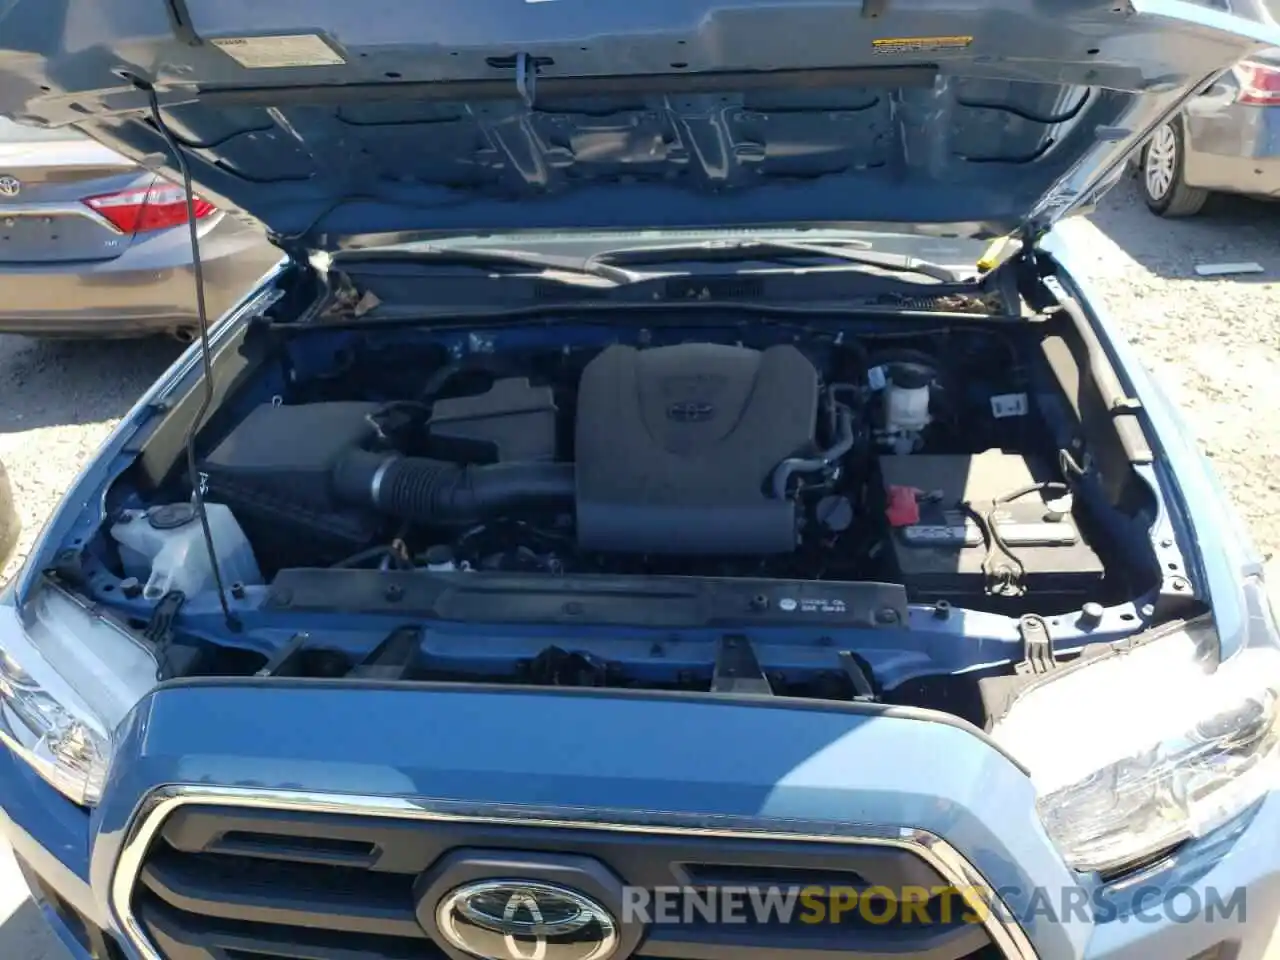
(939, 547)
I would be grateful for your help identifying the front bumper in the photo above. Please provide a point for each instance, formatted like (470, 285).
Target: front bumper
(654, 770)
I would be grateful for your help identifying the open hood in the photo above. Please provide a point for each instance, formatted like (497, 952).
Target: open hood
(339, 123)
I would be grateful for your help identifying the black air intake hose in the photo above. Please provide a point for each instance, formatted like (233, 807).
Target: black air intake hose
(444, 493)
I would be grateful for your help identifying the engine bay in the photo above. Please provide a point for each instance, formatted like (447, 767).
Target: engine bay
(680, 484)
(916, 460)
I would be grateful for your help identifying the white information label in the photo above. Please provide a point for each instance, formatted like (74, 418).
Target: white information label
(1009, 405)
(291, 50)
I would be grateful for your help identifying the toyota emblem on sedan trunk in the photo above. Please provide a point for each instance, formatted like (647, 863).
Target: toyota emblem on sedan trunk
(10, 186)
(526, 920)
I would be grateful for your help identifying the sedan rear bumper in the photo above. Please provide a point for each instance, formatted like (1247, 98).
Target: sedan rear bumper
(1233, 148)
(1249, 176)
(148, 289)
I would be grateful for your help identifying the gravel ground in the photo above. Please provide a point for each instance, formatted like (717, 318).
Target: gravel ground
(1214, 344)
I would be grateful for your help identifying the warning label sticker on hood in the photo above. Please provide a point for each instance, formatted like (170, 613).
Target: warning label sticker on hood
(290, 50)
(919, 44)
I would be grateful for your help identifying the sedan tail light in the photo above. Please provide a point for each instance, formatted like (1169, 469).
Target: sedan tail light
(1259, 83)
(155, 207)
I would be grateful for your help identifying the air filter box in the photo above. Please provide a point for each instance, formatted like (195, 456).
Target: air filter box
(273, 471)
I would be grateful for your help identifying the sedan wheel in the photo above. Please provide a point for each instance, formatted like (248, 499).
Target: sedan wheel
(1161, 175)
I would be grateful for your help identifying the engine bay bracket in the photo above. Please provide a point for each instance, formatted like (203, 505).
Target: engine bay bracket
(393, 658)
(737, 671)
(661, 602)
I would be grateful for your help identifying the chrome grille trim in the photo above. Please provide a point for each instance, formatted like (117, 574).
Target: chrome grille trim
(155, 808)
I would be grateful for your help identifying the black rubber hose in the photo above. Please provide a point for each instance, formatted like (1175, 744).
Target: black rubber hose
(443, 493)
(842, 444)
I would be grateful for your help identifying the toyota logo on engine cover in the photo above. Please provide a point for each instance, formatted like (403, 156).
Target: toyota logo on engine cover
(690, 411)
(526, 920)
(10, 186)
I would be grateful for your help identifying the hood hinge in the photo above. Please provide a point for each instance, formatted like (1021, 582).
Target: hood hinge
(1030, 235)
(292, 246)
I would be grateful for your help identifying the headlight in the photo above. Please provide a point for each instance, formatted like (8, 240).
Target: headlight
(67, 679)
(1135, 751)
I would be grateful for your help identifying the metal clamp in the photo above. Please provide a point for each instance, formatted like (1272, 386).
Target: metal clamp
(1038, 645)
(526, 78)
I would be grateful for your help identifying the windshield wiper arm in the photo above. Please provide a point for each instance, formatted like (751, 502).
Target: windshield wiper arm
(472, 257)
(740, 250)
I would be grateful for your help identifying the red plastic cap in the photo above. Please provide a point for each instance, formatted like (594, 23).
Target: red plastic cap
(903, 508)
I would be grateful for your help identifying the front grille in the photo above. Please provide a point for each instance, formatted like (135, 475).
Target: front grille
(226, 883)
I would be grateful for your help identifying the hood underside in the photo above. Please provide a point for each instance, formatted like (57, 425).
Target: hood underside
(337, 123)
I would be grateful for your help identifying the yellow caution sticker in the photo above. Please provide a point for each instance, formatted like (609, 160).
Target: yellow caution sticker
(919, 44)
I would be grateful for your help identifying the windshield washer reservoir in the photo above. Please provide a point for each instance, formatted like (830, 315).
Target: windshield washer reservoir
(165, 546)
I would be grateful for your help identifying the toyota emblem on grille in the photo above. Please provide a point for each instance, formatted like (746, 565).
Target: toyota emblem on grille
(10, 186)
(690, 411)
(526, 920)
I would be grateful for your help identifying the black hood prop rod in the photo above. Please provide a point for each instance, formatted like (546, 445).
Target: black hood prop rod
(202, 319)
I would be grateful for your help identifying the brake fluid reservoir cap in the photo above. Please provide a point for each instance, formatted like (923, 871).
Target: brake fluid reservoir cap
(909, 378)
(170, 516)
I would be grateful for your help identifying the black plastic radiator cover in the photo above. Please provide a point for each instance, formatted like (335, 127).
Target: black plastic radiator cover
(669, 602)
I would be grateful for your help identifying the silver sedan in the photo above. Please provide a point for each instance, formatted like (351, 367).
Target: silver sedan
(93, 245)
(1226, 140)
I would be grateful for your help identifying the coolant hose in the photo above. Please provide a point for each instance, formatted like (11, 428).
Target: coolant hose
(842, 444)
(439, 492)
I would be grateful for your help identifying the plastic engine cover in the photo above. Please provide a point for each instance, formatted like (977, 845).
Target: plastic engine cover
(675, 446)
